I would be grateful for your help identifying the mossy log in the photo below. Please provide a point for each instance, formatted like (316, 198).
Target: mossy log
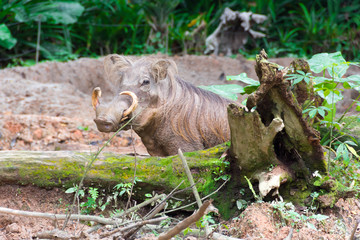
(64, 169)
(272, 132)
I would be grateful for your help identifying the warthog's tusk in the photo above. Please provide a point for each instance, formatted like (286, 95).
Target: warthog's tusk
(96, 94)
(133, 105)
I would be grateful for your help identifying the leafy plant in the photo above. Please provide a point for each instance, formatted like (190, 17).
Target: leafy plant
(231, 90)
(220, 171)
(289, 215)
(96, 200)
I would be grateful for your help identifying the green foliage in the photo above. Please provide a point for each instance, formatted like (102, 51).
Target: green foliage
(101, 200)
(6, 39)
(220, 171)
(231, 90)
(257, 198)
(289, 215)
(338, 141)
(70, 29)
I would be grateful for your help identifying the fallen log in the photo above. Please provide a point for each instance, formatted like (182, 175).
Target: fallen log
(65, 169)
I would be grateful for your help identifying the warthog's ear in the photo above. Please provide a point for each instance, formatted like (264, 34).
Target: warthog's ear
(160, 69)
(114, 64)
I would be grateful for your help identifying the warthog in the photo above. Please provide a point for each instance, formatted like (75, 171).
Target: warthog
(169, 112)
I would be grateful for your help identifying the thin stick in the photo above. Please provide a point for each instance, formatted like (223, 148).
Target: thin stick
(52, 216)
(195, 191)
(186, 222)
(155, 220)
(190, 204)
(352, 236)
(38, 40)
(190, 178)
(137, 207)
(134, 230)
(163, 201)
(133, 183)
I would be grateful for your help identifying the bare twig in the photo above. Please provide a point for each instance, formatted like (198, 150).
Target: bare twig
(195, 191)
(133, 183)
(142, 223)
(357, 203)
(290, 235)
(163, 201)
(190, 178)
(52, 216)
(59, 234)
(186, 222)
(218, 236)
(352, 236)
(137, 207)
(160, 207)
(190, 204)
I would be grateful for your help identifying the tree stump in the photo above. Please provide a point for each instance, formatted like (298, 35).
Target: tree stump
(271, 140)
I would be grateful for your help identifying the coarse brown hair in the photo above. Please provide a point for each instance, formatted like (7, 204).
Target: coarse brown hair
(191, 108)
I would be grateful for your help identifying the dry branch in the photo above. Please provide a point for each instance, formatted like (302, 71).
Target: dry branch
(52, 216)
(134, 225)
(190, 178)
(186, 222)
(59, 234)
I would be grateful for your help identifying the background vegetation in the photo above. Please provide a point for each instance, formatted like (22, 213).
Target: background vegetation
(62, 30)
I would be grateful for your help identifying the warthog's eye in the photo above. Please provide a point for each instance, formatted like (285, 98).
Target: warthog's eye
(145, 82)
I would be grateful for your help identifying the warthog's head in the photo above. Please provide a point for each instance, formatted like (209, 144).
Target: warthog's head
(141, 90)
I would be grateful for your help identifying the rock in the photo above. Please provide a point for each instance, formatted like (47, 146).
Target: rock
(76, 135)
(13, 228)
(26, 135)
(63, 135)
(37, 134)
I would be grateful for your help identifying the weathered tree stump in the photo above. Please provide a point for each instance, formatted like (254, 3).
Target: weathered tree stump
(272, 140)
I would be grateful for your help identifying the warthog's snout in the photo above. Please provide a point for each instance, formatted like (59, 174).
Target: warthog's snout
(108, 118)
(104, 125)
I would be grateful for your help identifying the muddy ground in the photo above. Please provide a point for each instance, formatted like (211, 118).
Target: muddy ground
(48, 107)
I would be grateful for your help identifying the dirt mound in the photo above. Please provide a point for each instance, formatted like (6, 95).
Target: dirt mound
(47, 133)
(263, 221)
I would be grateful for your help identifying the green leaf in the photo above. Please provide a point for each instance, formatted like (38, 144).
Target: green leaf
(243, 78)
(353, 78)
(71, 190)
(187, 231)
(346, 85)
(56, 12)
(6, 39)
(312, 113)
(296, 77)
(330, 96)
(228, 90)
(311, 226)
(333, 62)
(351, 143)
(250, 89)
(321, 112)
(319, 217)
(241, 204)
(353, 151)
(319, 80)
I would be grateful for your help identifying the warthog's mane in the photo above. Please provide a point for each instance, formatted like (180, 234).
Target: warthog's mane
(191, 108)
